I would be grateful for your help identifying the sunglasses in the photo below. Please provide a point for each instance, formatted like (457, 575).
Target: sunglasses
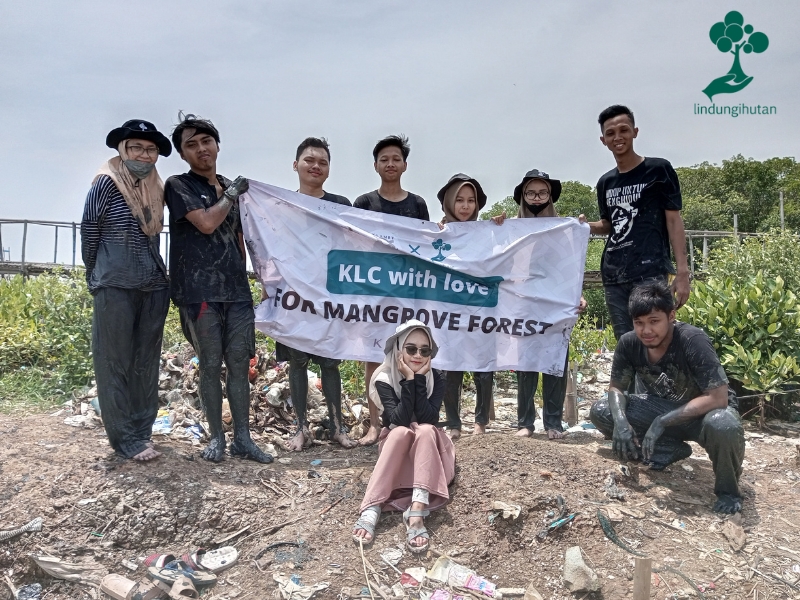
(411, 350)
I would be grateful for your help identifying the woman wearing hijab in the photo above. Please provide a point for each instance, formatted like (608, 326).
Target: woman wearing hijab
(416, 460)
(536, 196)
(462, 199)
(122, 220)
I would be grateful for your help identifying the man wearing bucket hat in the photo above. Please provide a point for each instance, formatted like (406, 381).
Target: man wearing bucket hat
(536, 195)
(462, 198)
(122, 220)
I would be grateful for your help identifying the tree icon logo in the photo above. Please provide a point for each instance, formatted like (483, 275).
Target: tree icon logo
(733, 36)
(441, 247)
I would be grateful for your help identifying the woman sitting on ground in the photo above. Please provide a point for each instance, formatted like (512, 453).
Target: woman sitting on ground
(416, 459)
(462, 199)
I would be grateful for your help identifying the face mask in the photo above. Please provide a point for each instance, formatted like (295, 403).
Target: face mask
(139, 168)
(537, 208)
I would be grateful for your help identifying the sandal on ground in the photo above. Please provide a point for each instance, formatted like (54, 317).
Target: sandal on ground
(169, 574)
(122, 588)
(412, 533)
(158, 560)
(183, 588)
(212, 560)
(366, 523)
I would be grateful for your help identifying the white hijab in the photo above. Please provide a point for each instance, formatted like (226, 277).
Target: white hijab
(388, 371)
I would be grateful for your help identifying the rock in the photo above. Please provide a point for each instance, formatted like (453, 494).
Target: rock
(735, 535)
(578, 577)
(531, 593)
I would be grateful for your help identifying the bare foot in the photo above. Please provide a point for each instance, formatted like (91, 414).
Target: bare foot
(150, 444)
(215, 451)
(524, 432)
(371, 437)
(479, 429)
(552, 434)
(148, 453)
(455, 434)
(344, 440)
(248, 449)
(300, 440)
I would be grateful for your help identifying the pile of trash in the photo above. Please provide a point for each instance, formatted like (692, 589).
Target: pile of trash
(271, 408)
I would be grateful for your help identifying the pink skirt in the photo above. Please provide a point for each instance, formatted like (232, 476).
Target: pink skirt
(418, 456)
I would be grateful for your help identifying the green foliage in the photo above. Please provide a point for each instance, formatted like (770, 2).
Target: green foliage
(507, 204)
(587, 339)
(45, 329)
(578, 199)
(742, 186)
(754, 326)
(775, 255)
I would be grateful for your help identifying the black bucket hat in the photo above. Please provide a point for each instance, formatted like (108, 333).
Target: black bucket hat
(141, 130)
(465, 178)
(555, 185)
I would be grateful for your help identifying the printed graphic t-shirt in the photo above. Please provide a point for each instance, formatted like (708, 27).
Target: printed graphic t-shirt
(203, 267)
(635, 203)
(412, 206)
(689, 367)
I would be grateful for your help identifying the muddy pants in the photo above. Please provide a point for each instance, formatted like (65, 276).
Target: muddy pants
(719, 432)
(484, 382)
(220, 330)
(617, 302)
(554, 389)
(127, 328)
(331, 387)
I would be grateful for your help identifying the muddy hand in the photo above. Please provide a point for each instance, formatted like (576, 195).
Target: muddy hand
(624, 441)
(654, 432)
(239, 186)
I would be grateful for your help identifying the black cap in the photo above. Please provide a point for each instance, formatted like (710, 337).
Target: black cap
(140, 130)
(465, 178)
(555, 184)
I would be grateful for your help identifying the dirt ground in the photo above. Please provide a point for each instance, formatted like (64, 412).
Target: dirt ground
(99, 508)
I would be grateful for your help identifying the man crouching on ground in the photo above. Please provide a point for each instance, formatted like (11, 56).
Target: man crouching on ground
(208, 283)
(685, 396)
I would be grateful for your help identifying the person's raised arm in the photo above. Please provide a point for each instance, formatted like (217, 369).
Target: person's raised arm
(208, 219)
(677, 239)
(694, 409)
(601, 227)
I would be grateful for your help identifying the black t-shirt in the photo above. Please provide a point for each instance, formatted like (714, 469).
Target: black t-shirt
(689, 368)
(635, 203)
(203, 268)
(412, 206)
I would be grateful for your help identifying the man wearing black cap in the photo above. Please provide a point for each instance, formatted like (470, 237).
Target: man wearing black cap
(640, 211)
(208, 283)
(391, 161)
(122, 220)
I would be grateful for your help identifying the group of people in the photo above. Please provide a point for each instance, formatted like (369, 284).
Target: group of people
(667, 385)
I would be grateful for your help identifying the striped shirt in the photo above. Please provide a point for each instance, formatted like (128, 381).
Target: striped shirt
(115, 250)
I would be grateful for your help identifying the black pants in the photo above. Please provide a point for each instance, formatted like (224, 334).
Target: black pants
(719, 432)
(127, 329)
(484, 383)
(554, 390)
(220, 330)
(617, 302)
(331, 387)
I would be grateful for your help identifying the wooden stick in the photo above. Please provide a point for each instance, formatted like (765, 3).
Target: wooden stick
(641, 578)
(272, 529)
(10, 586)
(231, 536)
(276, 489)
(364, 564)
(330, 507)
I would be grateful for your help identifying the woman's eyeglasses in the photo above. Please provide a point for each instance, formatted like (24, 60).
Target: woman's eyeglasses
(136, 150)
(532, 195)
(411, 350)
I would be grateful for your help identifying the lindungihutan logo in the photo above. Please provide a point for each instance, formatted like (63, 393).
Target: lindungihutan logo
(733, 36)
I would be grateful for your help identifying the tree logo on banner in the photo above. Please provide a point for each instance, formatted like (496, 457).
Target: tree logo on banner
(441, 246)
(732, 36)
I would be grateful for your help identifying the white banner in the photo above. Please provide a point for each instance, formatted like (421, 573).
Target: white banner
(340, 279)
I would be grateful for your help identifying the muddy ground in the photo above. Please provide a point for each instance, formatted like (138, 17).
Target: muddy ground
(99, 508)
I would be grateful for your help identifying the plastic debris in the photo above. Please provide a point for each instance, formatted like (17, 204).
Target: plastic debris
(289, 590)
(506, 511)
(30, 592)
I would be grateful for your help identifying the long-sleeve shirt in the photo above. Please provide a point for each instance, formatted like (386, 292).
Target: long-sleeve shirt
(414, 404)
(115, 250)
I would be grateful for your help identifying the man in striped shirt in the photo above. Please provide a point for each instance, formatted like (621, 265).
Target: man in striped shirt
(120, 229)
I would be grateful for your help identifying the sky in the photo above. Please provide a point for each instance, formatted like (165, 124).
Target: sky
(491, 89)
